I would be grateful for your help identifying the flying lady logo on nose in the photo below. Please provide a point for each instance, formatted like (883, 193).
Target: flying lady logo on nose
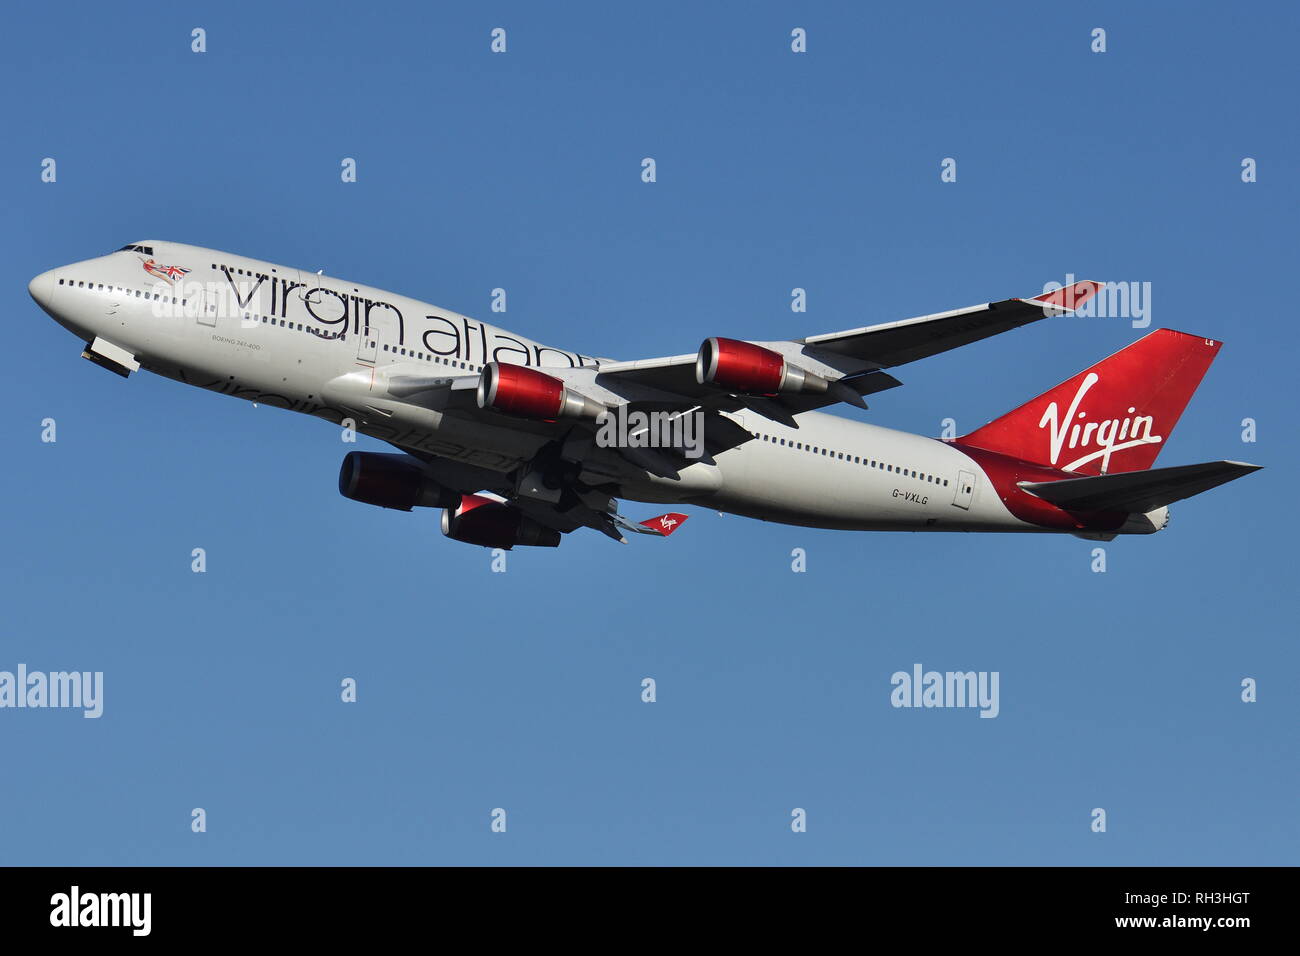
(172, 273)
(1107, 436)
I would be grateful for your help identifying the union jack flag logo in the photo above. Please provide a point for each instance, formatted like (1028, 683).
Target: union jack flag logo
(163, 272)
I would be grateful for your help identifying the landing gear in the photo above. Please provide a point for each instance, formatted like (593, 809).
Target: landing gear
(548, 475)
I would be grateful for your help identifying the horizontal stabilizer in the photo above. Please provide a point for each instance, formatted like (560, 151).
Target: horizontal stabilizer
(1137, 492)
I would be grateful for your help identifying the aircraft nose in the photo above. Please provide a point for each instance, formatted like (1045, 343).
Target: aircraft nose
(42, 289)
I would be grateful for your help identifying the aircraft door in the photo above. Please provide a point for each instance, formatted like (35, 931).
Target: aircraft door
(204, 305)
(368, 345)
(965, 490)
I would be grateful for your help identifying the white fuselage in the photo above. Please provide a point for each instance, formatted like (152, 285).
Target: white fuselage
(284, 337)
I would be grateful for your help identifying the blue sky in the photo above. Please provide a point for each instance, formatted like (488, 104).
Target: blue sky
(522, 690)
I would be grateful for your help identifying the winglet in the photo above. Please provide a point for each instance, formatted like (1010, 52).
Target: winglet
(665, 524)
(1068, 298)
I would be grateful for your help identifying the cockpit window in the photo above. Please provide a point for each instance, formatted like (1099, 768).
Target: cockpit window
(131, 247)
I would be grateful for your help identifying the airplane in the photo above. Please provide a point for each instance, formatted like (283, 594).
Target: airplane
(520, 443)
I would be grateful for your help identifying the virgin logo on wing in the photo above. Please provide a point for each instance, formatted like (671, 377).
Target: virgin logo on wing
(1097, 439)
(667, 523)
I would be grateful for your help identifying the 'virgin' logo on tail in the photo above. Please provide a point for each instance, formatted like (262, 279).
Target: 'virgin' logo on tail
(1107, 436)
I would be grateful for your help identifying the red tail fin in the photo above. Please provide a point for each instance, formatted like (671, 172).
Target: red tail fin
(1112, 417)
(665, 524)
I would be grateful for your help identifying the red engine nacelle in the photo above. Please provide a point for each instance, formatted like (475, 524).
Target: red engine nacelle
(750, 369)
(528, 393)
(495, 524)
(391, 481)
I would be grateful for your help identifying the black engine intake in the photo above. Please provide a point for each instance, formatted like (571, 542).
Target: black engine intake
(391, 481)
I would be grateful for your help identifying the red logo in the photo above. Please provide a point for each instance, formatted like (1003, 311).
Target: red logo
(163, 272)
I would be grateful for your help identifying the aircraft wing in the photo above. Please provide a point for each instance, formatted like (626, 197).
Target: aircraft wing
(854, 357)
(569, 515)
(578, 505)
(897, 343)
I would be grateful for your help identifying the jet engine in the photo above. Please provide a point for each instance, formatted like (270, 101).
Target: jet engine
(527, 393)
(391, 481)
(495, 524)
(750, 369)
